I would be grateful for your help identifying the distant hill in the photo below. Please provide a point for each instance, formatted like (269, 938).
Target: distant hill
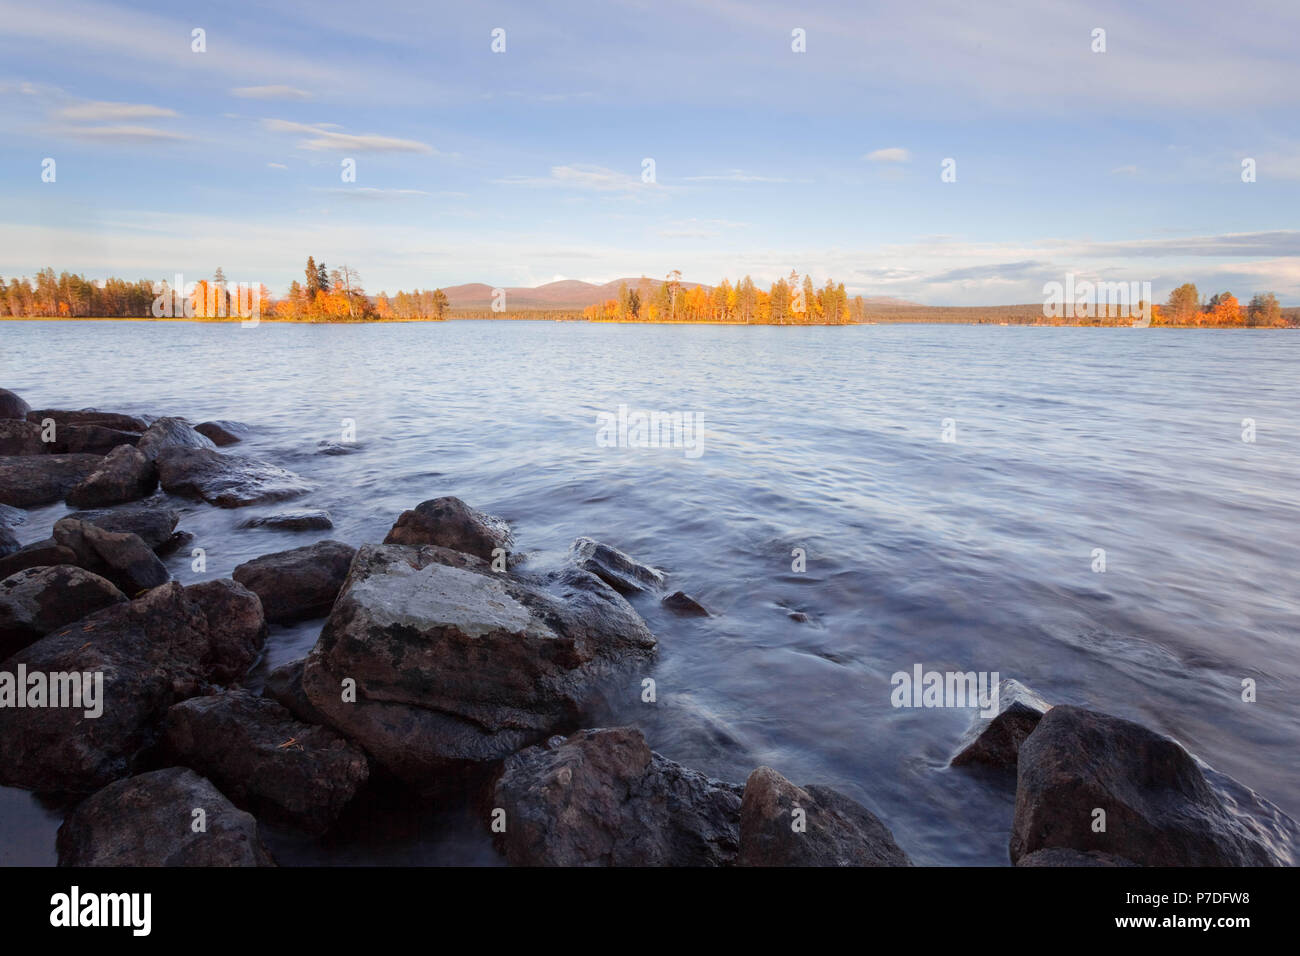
(573, 294)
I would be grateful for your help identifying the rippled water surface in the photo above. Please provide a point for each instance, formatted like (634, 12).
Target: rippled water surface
(968, 555)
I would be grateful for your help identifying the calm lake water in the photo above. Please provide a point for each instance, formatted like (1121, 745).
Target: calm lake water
(969, 555)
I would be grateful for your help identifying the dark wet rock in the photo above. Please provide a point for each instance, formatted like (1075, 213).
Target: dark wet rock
(30, 480)
(122, 557)
(169, 433)
(125, 475)
(299, 584)
(223, 433)
(265, 760)
(91, 439)
(995, 741)
(679, 602)
(149, 821)
(63, 417)
(227, 481)
(284, 685)
(336, 448)
(21, 438)
(39, 600)
(450, 523)
(604, 798)
(620, 571)
(292, 521)
(456, 666)
(1059, 856)
(154, 524)
(151, 653)
(839, 831)
(38, 554)
(11, 406)
(236, 628)
(1162, 806)
(799, 617)
(9, 517)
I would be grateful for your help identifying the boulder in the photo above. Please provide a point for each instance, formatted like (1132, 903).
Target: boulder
(450, 523)
(122, 557)
(284, 686)
(125, 475)
(292, 521)
(620, 571)
(150, 653)
(11, 406)
(223, 433)
(149, 821)
(299, 584)
(167, 433)
(456, 666)
(681, 603)
(38, 554)
(155, 525)
(1060, 856)
(265, 760)
(63, 418)
(21, 438)
(91, 439)
(604, 798)
(30, 480)
(838, 831)
(1163, 807)
(995, 741)
(236, 628)
(227, 481)
(39, 600)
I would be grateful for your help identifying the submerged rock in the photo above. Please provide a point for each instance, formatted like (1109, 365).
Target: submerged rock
(299, 584)
(122, 557)
(223, 433)
(604, 798)
(450, 523)
(456, 666)
(63, 418)
(620, 571)
(679, 602)
(1162, 806)
(995, 741)
(292, 521)
(839, 831)
(11, 406)
(151, 653)
(169, 433)
(124, 475)
(21, 438)
(265, 760)
(227, 481)
(30, 480)
(39, 600)
(154, 524)
(149, 821)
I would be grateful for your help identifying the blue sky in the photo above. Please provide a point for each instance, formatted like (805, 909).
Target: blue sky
(521, 167)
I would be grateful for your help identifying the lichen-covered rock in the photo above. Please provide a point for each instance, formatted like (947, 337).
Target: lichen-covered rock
(27, 481)
(455, 666)
(149, 820)
(124, 475)
(21, 438)
(39, 600)
(122, 557)
(265, 760)
(604, 798)
(836, 831)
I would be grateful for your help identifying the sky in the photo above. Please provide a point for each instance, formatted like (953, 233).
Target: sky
(528, 163)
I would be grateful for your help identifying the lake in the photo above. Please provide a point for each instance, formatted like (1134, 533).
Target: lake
(971, 554)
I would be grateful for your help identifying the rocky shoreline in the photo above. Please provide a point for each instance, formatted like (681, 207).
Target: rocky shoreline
(443, 664)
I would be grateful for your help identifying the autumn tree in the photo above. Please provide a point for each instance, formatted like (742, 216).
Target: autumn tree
(1264, 310)
(1184, 305)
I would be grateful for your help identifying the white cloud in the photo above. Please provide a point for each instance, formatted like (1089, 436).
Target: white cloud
(273, 92)
(893, 154)
(122, 134)
(583, 177)
(107, 112)
(325, 136)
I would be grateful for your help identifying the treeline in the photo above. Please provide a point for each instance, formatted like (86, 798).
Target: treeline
(1185, 307)
(788, 301)
(336, 295)
(73, 296)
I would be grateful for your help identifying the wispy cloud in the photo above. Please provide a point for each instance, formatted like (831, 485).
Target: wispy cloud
(327, 137)
(102, 112)
(583, 177)
(892, 154)
(273, 92)
(122, 134)
(735, 176)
